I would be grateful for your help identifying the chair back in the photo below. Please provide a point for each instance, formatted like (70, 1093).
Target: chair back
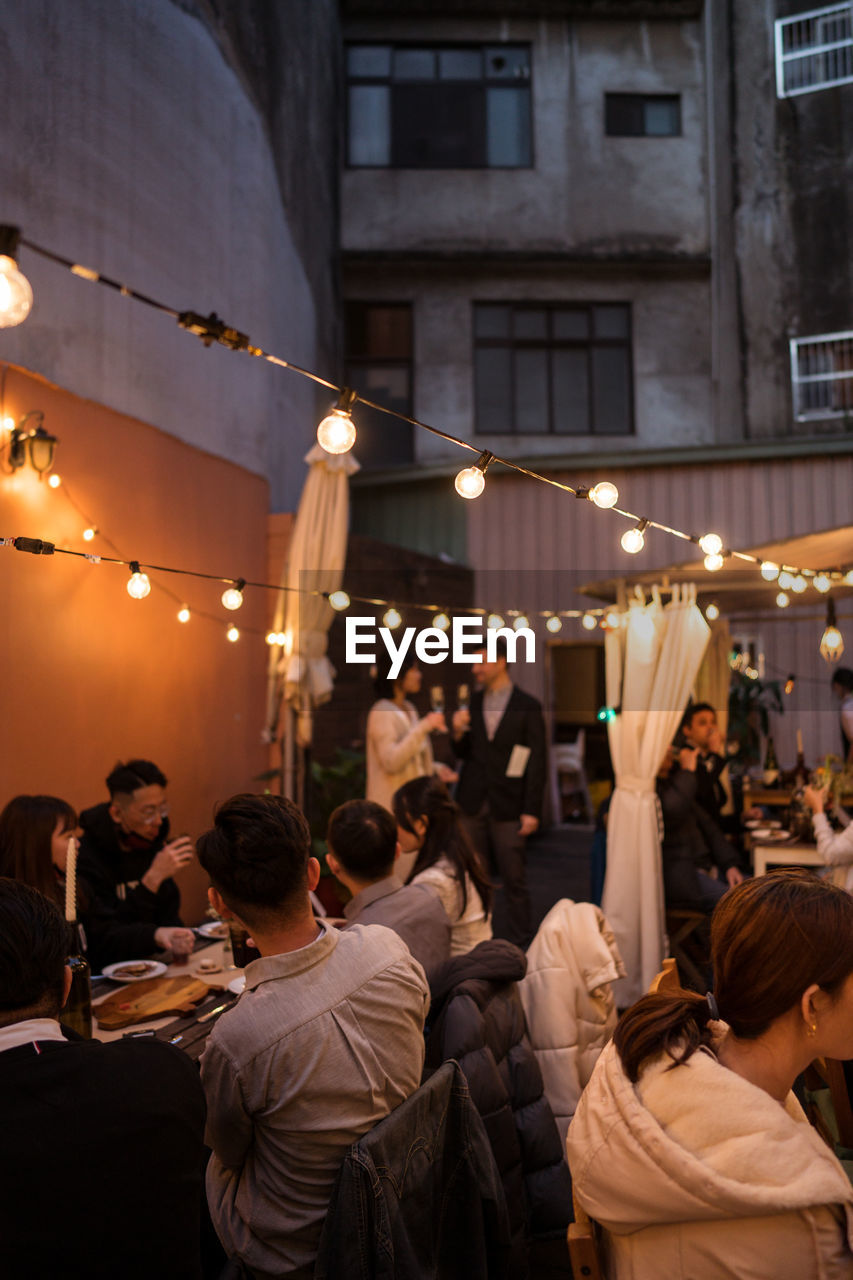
(666, 982)
(584, 1252)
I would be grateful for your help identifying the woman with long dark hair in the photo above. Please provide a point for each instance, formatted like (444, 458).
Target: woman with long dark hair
(688, 1145)
(429, 825)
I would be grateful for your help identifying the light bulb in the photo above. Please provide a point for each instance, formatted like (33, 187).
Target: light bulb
(271, 638)
(391, 619)
(822, 582)
(789, 683)
(88, 534)
(281, 638)
(785, 580)
(441, 622)
(232, 634)
(604, 494)
(232, 597)
(184, 613)
(713, 562)
(470, 482)
(769, 571)
(782, 600)
(339, 600)
(711, 544)
(589, 622)
(712, 613)
(633, 541)
(521, 621)
(799, 584)
(832, 644)
(16, 295)
(494, 621)
(848, 578)
(9, 424)
(611, 620)
(138, 584)
(54, 481)
(336, 433)
(554, 624)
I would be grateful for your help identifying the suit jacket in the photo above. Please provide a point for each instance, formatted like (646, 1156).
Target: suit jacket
(484, 765)
(691, 841)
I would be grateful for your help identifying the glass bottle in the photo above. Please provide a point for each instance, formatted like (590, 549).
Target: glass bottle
(771, 765)
(77, 1013)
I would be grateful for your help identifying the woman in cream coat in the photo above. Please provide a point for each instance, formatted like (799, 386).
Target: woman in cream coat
(398, 745)
(687, 1145)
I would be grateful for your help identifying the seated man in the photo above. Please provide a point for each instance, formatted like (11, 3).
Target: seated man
(363, 848)
(700, 731)
(691, 841)
(128, 861)
(325, 1041)
(103, 1155)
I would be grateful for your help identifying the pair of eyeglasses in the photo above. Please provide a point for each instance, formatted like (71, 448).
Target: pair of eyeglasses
(153, 812)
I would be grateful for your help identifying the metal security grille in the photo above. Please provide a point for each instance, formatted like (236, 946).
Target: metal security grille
(814, 50)
(822, 376)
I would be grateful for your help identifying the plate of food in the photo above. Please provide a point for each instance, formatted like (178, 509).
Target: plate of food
(213, 929)
(134, 970)
(770, 835)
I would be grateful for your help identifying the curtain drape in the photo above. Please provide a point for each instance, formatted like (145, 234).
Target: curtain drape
(651, 663)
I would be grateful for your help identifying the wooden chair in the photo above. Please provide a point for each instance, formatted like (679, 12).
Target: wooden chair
(584, 1246)
(681, 924)
(667, 981)
(830, 1072)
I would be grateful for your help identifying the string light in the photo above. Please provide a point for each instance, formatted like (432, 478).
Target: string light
(712, 613)
(554, 624)
(232, 634)
(184, 613)
(711, 544)
(339, 600)
(831, 642)
(783, 600)
(612, 620)
(54, 481)
(589, 622)
(138, 584)
(441, 622)
(785, 580)
(633, 540)
(822, 582)
(16, 294)
(604, 494)
(336, 433)
(495, 621)
(471, 481)
(88, 534)
(607, 714)
(520, 622)
(232, 597)
(271, 638)
(799, 584)
(713, 562)
(391, 619)
(769, 571)
(282, 639)
(789, 683)
(9, 424)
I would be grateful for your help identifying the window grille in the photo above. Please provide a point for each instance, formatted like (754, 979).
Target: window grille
(822, 376)
(814, 50)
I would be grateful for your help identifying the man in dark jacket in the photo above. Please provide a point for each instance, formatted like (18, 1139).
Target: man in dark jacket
(103, 1153)
(128, 861)
(692, 842)
(501, 743)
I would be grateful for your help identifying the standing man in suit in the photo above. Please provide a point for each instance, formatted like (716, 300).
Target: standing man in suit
(501, 743)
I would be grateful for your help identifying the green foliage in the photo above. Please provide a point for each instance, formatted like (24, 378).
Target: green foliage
(750, 704)
(331, 785)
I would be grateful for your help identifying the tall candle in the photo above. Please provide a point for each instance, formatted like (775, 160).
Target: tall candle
(71, 880)
(799, 742)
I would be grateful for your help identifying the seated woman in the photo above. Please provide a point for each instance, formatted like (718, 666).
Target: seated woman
(34, 835)
(428, 824)
(687, 1145)
(835, 847)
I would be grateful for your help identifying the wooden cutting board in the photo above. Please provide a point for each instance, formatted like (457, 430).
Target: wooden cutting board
(151, 998)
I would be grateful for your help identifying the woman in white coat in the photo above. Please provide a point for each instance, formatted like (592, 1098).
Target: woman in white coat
(398, 745)
(835, 847)
(688, 1145)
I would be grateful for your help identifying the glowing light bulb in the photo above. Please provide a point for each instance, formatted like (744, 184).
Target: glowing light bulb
(799, 584)
(604, 494)
(589, 622)
(336, 433)
(281, 639)
(271, 638)
(391, 619)
(612, 620)
(138, 584)
(9, 424)
(711, 544)
(494, 621)
(712, 613)
(470, 482)
(54, 481)
(88, 534)
(521, 621)
(832, 644)
(633, 541)
(713, 562)
(339, 600)
(769, 571)
(848, 578)
(441, 622)
(232, 597)
(785, 580)
(184, 613)
(232, 634)
(16, 295)
(822, 582)
(789, 683)
(783, 600)
(554, 624)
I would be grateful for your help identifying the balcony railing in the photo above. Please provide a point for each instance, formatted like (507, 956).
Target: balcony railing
(822, 376)
(814, 50)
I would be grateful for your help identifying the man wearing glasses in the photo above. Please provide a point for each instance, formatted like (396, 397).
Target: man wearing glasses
(128, 862)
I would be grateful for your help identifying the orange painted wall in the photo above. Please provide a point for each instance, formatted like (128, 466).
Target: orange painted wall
(89, 676)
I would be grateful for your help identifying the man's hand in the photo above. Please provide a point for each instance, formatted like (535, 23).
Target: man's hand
(174, 855)
(816, 798)
(527, 824)
(176, 939)
(715, 743)
(734, 875)
(687, 758)
(445, 774)
(461, 722)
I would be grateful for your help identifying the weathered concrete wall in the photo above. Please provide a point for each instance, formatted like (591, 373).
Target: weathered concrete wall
(131, 144)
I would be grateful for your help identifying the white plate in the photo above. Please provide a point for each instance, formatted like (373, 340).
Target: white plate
(213, 929)
(155, 968)
(237, 984)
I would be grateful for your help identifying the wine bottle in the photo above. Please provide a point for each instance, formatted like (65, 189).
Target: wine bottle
(801, 773)
(771, 765)
(77, 1013)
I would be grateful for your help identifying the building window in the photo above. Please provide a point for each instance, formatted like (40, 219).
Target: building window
(814, 50)
(642, 115)
(822, 376)
(436, 107)
(563, 369)
(379, 366)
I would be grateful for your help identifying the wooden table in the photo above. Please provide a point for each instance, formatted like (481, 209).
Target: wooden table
(792, 854)
(772, 797)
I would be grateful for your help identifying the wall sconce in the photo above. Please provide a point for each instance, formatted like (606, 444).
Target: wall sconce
(32, 441)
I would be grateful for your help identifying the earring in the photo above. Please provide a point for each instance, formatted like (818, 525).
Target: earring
(812, 1031)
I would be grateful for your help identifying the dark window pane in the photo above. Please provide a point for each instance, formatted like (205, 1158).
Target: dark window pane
(377, 329)
(611, 391)
(438, 126)
(382, 441)
(662, 117)
(369, 61)
(492, 388)
(508, 144)
(507, 62)
(531, 391)
(369, 126)
(570, 391)
(570, 325)
(529, 323)
(610, 322)
(635, 115)
(460, 64)
(491, 322)
(414, 64)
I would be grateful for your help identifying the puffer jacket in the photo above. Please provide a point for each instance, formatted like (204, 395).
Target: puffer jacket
(697, 1174)
(476, 1017)
(568, 1001)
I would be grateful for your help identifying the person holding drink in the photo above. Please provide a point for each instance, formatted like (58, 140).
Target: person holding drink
(398, 745)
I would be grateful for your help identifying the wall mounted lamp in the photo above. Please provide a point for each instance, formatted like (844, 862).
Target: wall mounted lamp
(29, 441)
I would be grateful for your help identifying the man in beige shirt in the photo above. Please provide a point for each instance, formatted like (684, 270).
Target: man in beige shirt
(325, 1041)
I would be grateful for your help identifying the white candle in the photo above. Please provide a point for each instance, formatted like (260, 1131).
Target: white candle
(71, 880)
(799, 742)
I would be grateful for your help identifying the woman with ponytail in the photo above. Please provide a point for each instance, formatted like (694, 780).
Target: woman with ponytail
(688, 1146)
(429, 825)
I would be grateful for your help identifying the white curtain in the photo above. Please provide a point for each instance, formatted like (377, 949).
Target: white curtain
(651, 663)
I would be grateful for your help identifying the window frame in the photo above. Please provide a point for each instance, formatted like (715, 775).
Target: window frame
(644, 98)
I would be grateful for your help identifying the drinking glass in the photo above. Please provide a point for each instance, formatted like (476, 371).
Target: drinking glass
(463, 697)
(436, 698)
